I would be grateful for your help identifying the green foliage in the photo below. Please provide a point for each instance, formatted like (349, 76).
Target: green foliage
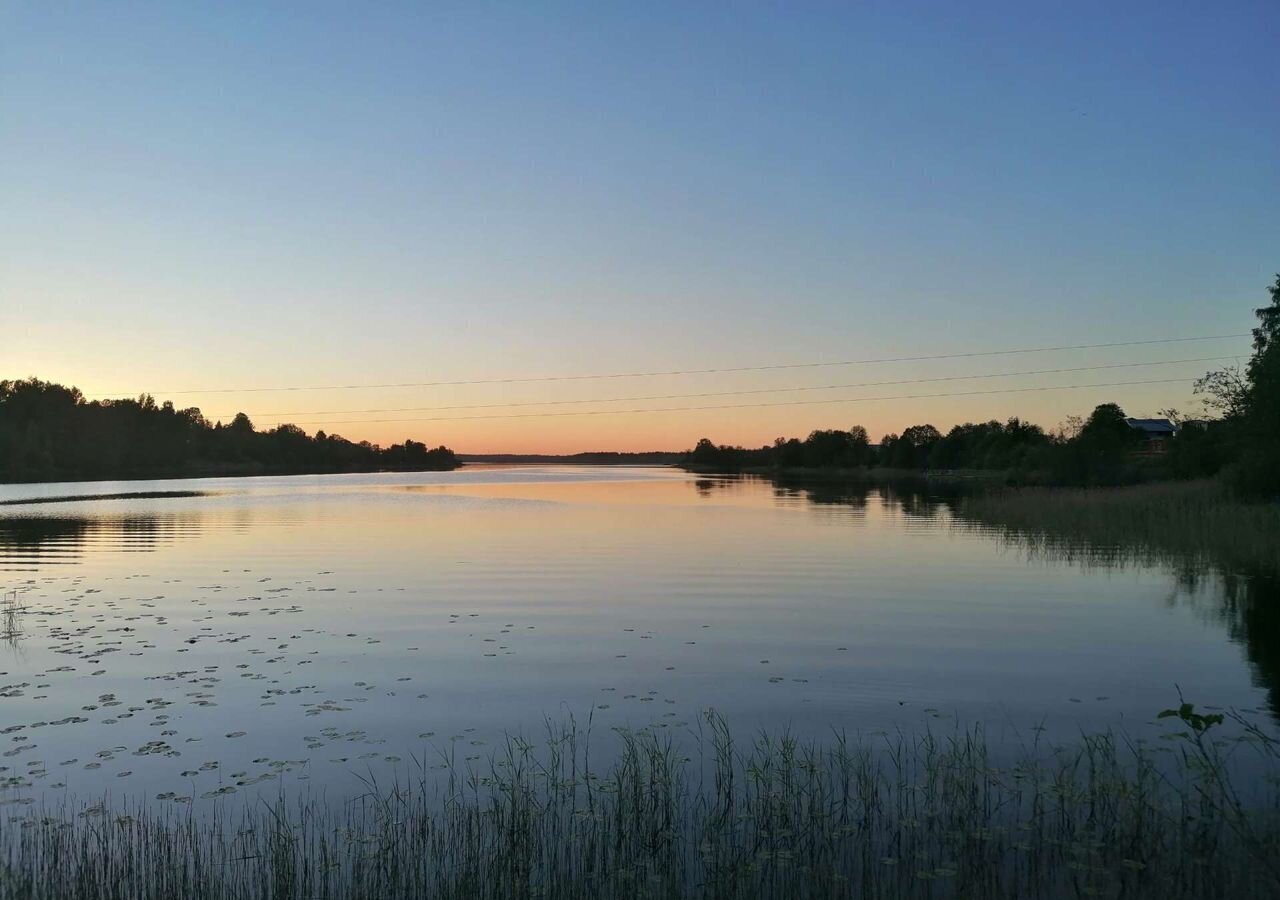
(831, 449)
(1197, 722)
(1200, 449)
(49, 432)
(1106, 427)
(1248, 404)
(1266, 338)
(1258, 471)
(911, 449)
(1015, 445)
(1100, 454)
(1102, 450)
(1224, 393)
(711, 457)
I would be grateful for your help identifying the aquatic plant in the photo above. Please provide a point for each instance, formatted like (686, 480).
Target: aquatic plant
(889, 816)
(1183, 524)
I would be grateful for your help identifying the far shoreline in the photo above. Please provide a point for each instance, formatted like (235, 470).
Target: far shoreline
(858, 474)
(464, 461)
(217, 473)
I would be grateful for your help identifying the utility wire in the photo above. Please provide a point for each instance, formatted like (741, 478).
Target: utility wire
(612, 412)
(655, 374)
(782, 390)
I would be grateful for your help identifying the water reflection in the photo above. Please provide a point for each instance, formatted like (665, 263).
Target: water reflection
(851, 498)
(1245, 601)
(908, 499)
(337, 620)
(1251, 612)
(11, 610)
(30, 543)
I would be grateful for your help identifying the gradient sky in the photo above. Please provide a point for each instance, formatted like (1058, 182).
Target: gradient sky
(256, 195)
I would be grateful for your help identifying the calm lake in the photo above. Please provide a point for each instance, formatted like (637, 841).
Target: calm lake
(321, 629)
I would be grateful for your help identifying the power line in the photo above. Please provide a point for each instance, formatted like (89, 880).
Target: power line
(612, 412)
(718, 371)
(782, 390)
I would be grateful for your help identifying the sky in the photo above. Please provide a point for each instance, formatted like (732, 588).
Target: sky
(237, 197)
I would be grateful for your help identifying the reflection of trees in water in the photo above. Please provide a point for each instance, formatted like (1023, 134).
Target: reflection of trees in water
(1251, 611)
(913, 502)
(32, 542)
(907, 499)
(788, 492)
(854, 497)
(1245, 600)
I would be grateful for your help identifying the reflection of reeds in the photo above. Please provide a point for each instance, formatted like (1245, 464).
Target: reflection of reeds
(1195, 530)
(10, 624)
(1182, 524)
(928, 816)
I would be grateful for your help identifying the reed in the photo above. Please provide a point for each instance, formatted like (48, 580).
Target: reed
(1179, 523)
(892, 816)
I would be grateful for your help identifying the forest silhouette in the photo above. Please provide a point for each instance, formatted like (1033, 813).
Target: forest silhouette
(49, 432)
(1100, 450)
(1238, 437)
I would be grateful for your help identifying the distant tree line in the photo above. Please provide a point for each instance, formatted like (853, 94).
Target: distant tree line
(49, 432)
(588, 458)
(1099, 450)
(1239, 437)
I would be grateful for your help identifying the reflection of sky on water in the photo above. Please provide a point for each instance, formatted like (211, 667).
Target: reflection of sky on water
(346, 623)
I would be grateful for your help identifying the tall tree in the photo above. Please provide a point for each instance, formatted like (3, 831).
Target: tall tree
(1259, 469)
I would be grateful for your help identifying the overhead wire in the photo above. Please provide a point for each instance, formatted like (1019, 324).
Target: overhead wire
(737, 393)
(683, 372)
(609, 412)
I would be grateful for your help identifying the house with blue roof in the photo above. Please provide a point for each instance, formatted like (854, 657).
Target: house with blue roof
(1155, 434)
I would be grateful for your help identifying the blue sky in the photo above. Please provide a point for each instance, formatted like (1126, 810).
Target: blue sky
(308, 194)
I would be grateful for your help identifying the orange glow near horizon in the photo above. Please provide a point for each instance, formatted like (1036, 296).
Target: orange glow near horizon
(484, 431)
(219, 197)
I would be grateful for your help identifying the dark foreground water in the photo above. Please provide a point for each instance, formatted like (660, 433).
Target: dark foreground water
(320, 630)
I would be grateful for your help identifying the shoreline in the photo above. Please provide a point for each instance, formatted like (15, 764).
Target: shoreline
(216, 472)
(868, 475)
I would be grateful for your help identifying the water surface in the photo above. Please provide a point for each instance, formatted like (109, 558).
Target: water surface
(186, 638)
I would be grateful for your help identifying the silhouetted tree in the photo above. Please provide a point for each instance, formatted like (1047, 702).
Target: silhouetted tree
(1015, 445)
(1258, 471)
(1244, 439)
(50, 432)
(1225, 392)
(911, 449)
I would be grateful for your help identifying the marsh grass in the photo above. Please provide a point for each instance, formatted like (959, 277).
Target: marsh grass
(1184, 524)
(894, 816)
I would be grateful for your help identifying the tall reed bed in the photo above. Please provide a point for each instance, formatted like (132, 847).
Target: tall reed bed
(1196, 522)
(892, 817)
